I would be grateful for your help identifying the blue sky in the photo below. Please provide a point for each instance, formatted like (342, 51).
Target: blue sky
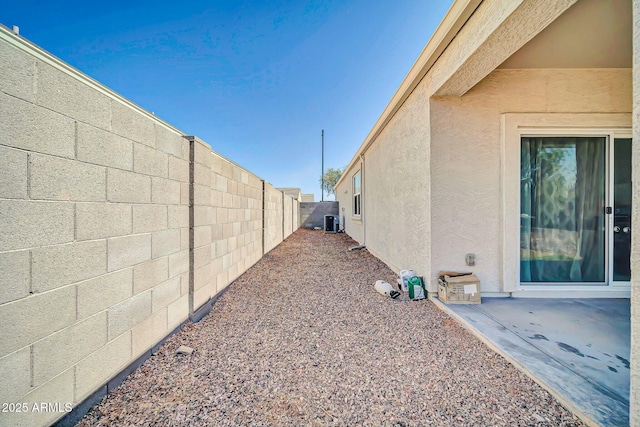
(257, 80)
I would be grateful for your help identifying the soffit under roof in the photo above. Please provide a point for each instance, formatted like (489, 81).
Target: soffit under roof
(590, 34)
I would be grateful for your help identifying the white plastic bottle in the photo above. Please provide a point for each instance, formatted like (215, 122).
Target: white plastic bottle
(403, 279)
(386, 289)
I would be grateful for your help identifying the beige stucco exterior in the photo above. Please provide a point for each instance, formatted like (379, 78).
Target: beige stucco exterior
(468, 187)
(394, 174)
(634, 399)
(353, 224)
(441, 165)
(432, 172)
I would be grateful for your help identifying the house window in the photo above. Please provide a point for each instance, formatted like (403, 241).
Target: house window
(357, 197)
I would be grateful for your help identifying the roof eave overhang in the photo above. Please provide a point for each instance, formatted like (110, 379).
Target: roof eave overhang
(453, 21)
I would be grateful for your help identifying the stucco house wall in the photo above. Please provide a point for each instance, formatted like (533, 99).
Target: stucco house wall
(473, 107)
(395, 190)
(353, 225)
(466, 152)
(634, 399)
(396, 200)
(465, 53)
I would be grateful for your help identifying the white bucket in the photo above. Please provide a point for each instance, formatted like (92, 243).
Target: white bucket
(386, 289)
(403, 279)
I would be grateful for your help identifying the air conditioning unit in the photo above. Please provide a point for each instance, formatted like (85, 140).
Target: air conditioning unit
(331, 223)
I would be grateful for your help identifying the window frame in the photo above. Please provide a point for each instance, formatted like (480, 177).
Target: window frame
(356, 197)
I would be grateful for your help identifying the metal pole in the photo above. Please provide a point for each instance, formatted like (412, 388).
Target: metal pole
(323, 165)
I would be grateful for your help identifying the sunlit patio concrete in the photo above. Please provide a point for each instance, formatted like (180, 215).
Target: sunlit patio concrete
(578, 349)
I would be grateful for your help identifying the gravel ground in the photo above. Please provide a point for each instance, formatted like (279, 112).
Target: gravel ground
(303, 339)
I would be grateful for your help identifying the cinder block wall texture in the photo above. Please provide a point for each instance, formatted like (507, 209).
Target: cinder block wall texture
(97, 261)
(227, 222)
(273, 217)
(287, 216)
(312, 213)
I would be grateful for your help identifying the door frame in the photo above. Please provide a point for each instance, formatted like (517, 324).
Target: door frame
(616, 134)
(513, 127)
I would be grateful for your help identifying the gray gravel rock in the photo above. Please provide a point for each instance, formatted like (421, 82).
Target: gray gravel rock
(303, 339)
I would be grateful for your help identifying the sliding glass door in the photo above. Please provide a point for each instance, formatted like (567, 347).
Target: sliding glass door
(622, 196)
(563, 224)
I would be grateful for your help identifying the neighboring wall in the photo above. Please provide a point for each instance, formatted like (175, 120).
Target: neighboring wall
(312, 213)
(97, 261)
(287, 216)
(227, 222)
(466, 155)
(295, 215)
(93, 234)
(273, 217)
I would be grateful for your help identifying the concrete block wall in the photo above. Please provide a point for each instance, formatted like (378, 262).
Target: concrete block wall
(227, 222)
(311, 214)
(93, 233)
(273, 217)
(287, 216)
(114, 229)
(295, 215)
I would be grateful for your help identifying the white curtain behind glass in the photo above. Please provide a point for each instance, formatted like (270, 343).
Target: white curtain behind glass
(562, 197)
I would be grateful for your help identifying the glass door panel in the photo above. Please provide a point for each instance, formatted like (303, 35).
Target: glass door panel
(562, 216)
(622, 209)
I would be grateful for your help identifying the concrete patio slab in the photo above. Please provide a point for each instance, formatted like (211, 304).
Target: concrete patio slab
(578, 349)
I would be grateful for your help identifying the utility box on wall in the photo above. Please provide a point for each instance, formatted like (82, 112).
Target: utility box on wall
(331, 223)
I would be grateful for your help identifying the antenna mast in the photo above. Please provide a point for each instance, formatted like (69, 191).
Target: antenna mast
(322, 180)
